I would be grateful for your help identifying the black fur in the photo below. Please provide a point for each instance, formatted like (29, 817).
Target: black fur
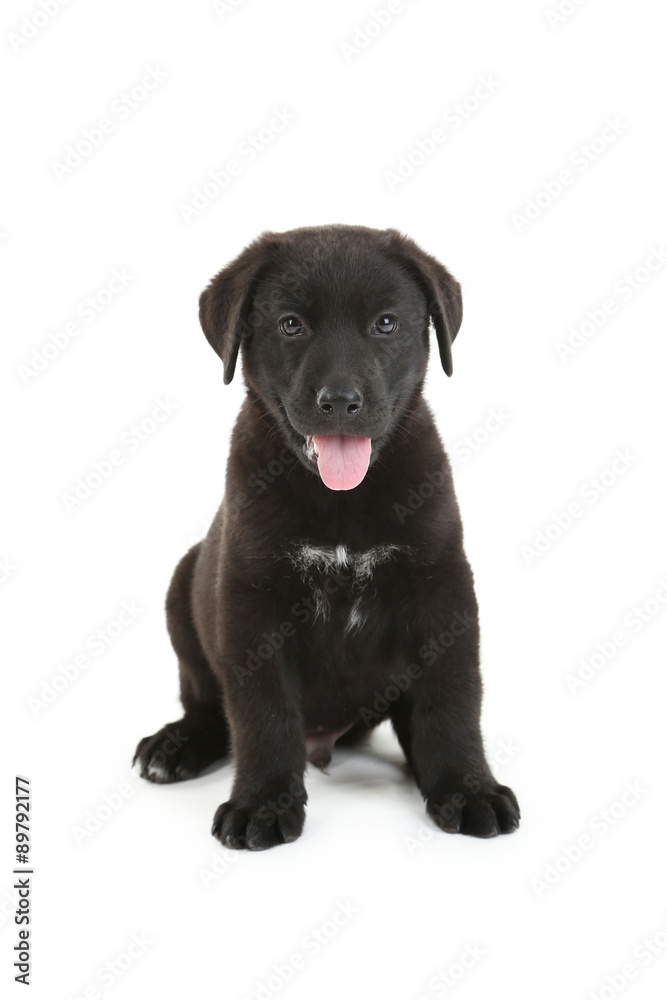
(275, 662)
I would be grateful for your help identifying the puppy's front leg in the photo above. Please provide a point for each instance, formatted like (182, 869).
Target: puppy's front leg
(437, 722)
(267, 804)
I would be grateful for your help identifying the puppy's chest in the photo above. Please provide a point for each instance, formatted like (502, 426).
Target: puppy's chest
(346, 588)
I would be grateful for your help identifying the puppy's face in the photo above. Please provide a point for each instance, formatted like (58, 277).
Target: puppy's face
(334, 337)
(338, 348)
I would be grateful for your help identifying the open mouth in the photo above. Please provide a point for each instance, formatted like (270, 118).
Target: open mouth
(342, 460)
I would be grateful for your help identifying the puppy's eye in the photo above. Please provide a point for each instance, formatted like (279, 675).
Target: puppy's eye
(385, 325)
(291, 326)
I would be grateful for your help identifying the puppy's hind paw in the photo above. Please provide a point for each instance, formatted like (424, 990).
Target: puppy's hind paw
(180, 750)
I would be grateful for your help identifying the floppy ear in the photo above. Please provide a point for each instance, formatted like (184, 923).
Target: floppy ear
(224, 305)
(442, 290)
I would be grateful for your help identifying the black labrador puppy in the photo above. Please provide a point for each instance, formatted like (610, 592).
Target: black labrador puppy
(332, 590)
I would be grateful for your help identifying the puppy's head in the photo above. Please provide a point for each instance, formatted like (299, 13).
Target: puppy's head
(333, 325)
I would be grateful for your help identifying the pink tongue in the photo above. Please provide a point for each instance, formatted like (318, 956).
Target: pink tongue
(342, 459)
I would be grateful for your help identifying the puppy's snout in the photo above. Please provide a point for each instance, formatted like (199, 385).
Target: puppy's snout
(339, 402)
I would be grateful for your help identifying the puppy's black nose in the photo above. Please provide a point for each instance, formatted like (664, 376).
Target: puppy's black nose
(339, 402)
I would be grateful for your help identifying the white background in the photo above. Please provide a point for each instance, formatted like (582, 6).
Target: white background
(422, 898)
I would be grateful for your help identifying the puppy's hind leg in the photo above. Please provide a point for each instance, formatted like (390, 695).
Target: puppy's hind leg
(182, 749)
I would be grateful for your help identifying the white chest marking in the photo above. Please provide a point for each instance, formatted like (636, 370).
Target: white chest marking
(356, 618)
(325, 558)
(354, 569)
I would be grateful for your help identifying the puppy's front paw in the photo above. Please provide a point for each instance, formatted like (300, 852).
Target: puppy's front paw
(474, 806)
(276, 818)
